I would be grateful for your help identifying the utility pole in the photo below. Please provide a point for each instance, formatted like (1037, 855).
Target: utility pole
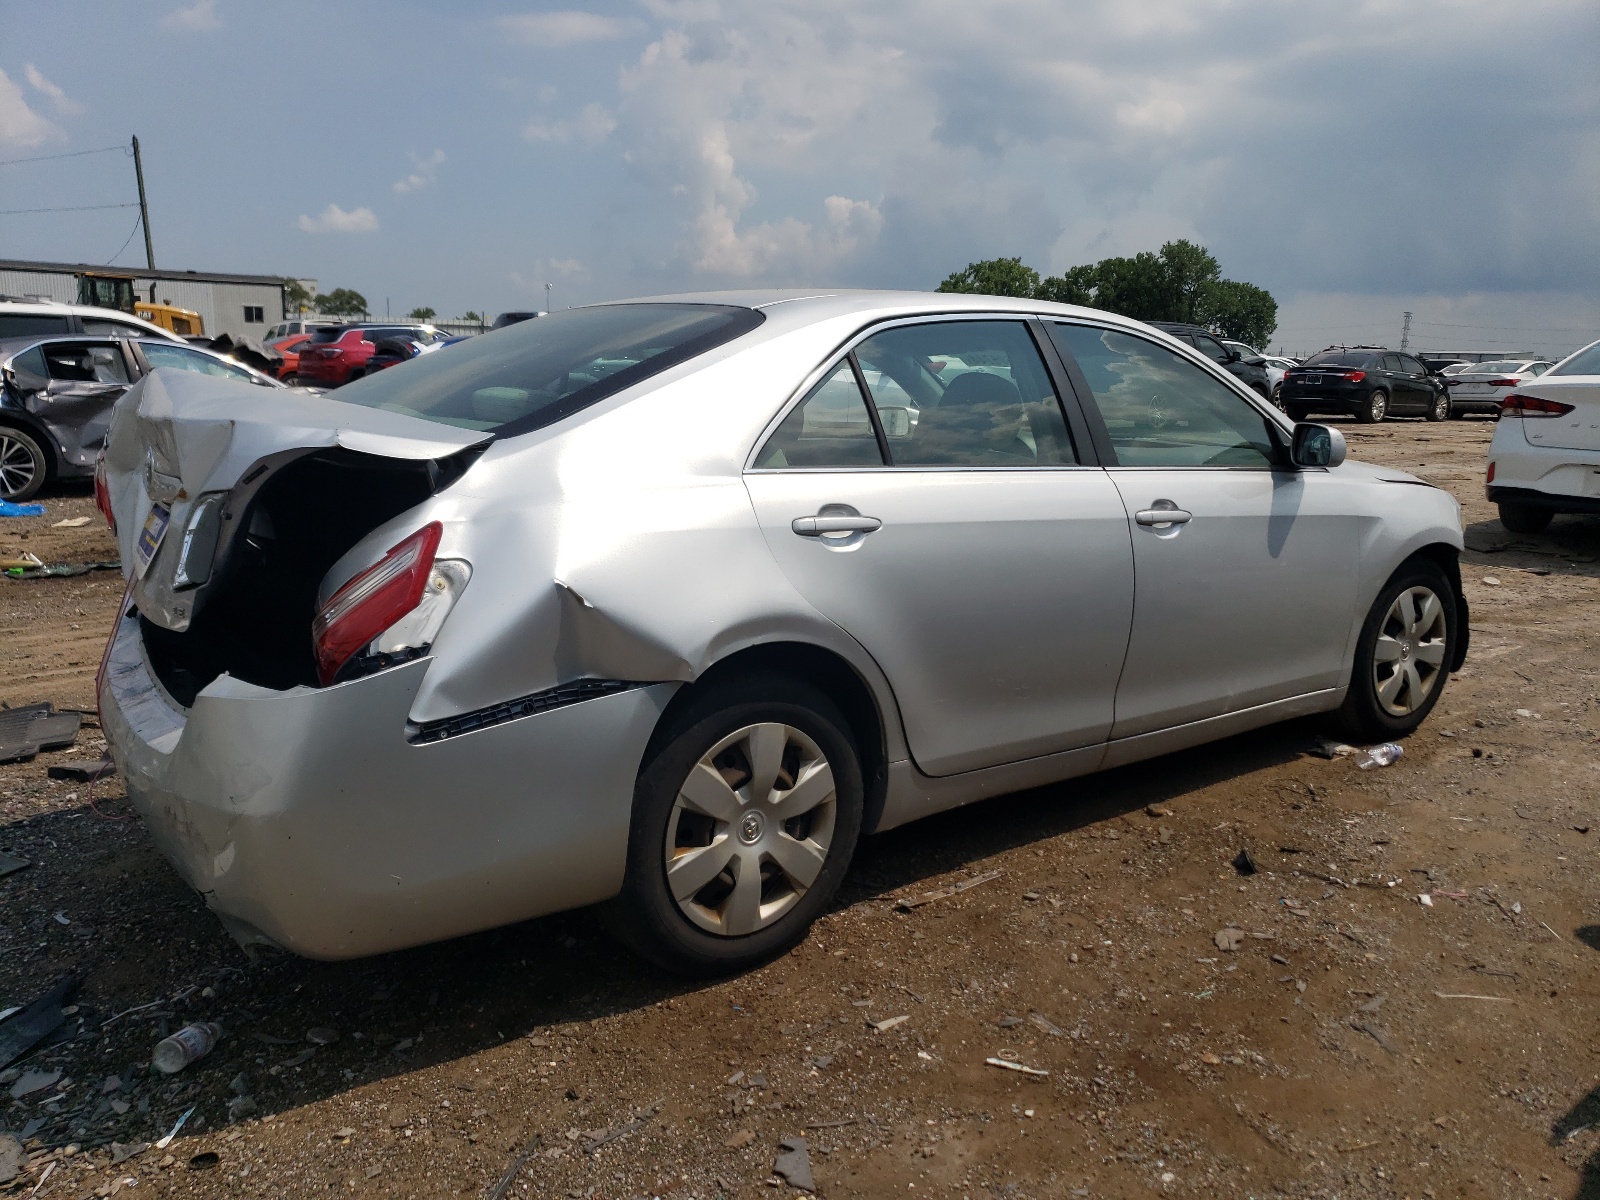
(1405, 333)
(144, 206)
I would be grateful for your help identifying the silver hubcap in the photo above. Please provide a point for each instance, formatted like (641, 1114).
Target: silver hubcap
(17, 467)
(750, 829)
(1380, 405)
(1409, 655)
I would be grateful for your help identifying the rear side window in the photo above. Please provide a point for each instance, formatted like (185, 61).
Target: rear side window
(831, 427)
(1161, 410)
(103, 328)
(21, 325)
(534, 373)
(85, 364)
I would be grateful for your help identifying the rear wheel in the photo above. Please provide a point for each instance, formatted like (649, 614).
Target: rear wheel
(1440, 408)
(23, 465)
(1277, 398)
(745, 816)
(1296, 412)
(1403, 655)
(1524, 518)
(1374, 409)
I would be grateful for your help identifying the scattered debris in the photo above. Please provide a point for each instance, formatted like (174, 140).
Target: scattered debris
(1467, 996)
(1229, 939)
(26, 731)
(1007, 1064)
(34, 1081)
(191, 1043)
(121, 1152)
(512, 1171)
(322, 1036)
(1376, 1034)
(205, 1160)
(25, 1030)
(1324, 748)
(890, 1023)
(10, 863)
(1243, 863)
(604, 1137)
(793, 1164)
(1373, 1005)
(1009, 1022)
(82, 770)
(71, 523)
(840, 1124)
(1425, 900)
(1041, 1022)
(1491, 581)
(1380, 756)
(60, 570)
(1158, 810)
(11, 1158)
(739, 1140)
(9, 508)
(944, 893)
(163, 1143)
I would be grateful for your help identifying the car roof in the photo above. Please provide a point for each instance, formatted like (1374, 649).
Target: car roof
(48, 308)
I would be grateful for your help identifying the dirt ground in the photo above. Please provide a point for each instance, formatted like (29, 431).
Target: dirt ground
(1358, 1042)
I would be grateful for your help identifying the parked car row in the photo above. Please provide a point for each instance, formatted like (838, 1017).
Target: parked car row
(1545, 455)
(334, 355)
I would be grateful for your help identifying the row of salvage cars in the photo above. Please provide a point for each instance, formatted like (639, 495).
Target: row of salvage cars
(662, 605)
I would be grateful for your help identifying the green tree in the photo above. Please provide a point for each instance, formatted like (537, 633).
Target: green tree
(1241, 311)
(994, 277)
(1187, 274)
(296, 299)
(342, 302)
(1135, 287)
(469, 315)
(1075, 286)
(422, 314)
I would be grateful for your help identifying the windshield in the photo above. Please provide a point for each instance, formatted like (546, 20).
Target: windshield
(1338, 358)
(1584, 362)
(534, 373)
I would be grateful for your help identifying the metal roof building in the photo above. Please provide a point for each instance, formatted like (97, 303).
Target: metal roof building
(234, 304)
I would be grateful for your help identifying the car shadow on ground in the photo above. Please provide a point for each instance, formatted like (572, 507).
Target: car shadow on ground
(1585, 1114)
(1569, 546)
(138, 937)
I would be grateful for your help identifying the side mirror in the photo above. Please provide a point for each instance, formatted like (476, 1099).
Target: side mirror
(1233, 356)
(1257, 361)
(1317, 446)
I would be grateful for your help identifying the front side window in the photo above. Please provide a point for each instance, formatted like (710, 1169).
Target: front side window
(184, 359)
(533, 374)
(1161, 410)
(1211, 348)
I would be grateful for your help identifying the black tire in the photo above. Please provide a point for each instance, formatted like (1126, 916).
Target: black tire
(1363, 716)
(1296, 412)
(1524, 518)
(1439, 408)
(646, 916)
(24, 466)
(292, 379)
(1374, 409)
(1277, 399)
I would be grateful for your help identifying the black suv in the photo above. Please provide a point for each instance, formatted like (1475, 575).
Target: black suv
(1366, 382)
(1252, 372)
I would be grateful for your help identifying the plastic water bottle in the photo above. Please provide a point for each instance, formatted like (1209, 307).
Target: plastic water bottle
(173, 1054)
(1380, 756)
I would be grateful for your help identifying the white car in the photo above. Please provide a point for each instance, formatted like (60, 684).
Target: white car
(1547, 459)
(39, 319)
(1275, 366)
(1480, 387)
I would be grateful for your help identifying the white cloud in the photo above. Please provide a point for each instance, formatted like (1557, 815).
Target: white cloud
(334, 219)
(424, 171)
(19, 124)
(593, 124)
(65, 104)
(568, 28)
(199, 17)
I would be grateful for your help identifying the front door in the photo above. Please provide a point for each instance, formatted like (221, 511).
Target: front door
(941, 518)
(1246, 568)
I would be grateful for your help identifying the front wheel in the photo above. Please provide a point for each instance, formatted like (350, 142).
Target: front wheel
(1524, 518)
(1374, 409)
(746, 813)
(1277, 399)
(23, 465)
(1403, 655)
(1439, 410)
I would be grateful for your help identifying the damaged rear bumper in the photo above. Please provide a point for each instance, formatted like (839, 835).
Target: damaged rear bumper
(308, 819)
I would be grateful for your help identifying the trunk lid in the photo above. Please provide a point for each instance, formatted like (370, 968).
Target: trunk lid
(187, 454)
(1576, 430)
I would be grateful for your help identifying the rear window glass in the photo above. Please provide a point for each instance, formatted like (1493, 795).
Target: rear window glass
(1584, 362)
(534, 373)
(1502, 367)
(1339, 358)
(323, 334)
(21, 325)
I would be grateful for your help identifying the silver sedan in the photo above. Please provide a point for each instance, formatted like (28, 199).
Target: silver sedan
(664, 604)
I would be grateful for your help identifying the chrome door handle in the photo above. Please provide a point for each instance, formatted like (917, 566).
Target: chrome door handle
(817, 526)
(1163, 516)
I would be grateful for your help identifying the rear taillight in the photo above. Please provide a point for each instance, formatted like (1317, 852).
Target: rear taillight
(1518, 405)
(1351, 376)
(102, 492)
(1504, 382)
(1489, 478)
(374, 600)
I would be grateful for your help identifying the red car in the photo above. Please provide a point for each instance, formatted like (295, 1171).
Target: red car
(336, 356)
(289, 347)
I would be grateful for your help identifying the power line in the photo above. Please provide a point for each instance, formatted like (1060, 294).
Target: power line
(7, 162)
(13, 212)
(1503, 328)
(131, 232)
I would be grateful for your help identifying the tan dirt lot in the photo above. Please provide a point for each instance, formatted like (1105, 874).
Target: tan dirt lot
(1357, 1043)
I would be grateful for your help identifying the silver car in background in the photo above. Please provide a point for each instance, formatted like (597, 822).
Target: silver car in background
(666, 603)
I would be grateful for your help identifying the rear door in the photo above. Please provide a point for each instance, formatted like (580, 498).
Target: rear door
(71, 386)
(1246, 592)
(927, 497)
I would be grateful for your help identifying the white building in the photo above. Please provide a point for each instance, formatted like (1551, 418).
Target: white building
(233, 304)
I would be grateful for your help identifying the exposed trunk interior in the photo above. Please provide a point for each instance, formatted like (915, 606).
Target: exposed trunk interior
(255, 623)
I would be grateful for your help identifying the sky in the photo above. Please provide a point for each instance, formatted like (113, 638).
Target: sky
(1357, 159)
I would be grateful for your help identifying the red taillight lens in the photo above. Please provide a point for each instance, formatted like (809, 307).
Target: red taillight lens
(373, 601)
(1517, 405)
(102, 492)
(1489, 478)
(1352, 376)
(1504, 382)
